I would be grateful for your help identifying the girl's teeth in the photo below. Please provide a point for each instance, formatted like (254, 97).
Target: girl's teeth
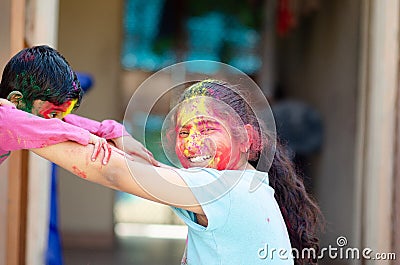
(199, 158)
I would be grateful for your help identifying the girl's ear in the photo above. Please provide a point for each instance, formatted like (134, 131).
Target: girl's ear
(15, 97)
(245, 146)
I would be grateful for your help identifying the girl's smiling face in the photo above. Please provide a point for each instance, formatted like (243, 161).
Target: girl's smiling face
(204, 141)
(48, 110)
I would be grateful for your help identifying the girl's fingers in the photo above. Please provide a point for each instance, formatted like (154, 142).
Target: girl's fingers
(101, 144)
(149, 157)
(129, 157)
(107, 152)
(119, 151)
(148, 152)
(96, 151)
(155, 162)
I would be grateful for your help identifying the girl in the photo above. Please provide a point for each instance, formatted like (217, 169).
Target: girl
(215, 135)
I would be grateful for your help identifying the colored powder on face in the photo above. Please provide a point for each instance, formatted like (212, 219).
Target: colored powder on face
(79, 172)
(70, 108)
(49, 110)
(194, 141)
(204, 101)
(222, 158)
(202, 136)
(199, 106)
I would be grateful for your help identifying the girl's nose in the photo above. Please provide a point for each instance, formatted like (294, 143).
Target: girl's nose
(194, 144)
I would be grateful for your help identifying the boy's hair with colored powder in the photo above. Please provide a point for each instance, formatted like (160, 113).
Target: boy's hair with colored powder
(40, 73)
(301, 213)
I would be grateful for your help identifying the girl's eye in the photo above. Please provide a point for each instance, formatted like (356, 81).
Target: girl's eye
(183, 134)
(207, 130)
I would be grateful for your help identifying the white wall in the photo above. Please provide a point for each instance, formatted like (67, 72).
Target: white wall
(41, 28)
(4, 56)
(89, 37)
(3, 210)
(319, 64)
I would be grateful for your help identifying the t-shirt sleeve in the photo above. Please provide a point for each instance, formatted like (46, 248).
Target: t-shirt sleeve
(211, 193)
(22, 130)
(108, 129)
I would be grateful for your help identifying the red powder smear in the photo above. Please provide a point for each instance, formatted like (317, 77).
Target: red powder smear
(46, 108)
(79, 172)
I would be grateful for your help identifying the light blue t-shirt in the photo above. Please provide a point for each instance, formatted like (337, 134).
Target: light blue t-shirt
(244, 228)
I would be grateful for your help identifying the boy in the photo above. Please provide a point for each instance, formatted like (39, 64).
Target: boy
(40, 81)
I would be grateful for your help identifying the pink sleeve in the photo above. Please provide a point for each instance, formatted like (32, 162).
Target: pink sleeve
(22, 130)
(107, 129)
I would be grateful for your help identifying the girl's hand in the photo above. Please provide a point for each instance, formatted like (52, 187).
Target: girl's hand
(134, 147)
(5, 102)
(99, 144)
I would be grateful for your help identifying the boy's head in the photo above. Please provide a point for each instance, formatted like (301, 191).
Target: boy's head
(39, 80)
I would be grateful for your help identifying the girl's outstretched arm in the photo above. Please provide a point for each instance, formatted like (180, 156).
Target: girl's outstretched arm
(159, 184)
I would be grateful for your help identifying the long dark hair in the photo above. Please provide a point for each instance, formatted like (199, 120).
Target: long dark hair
(301, 213)
(40, 72)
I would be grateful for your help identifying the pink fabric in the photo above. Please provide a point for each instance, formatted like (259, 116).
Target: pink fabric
(22, 130)
(108, 129)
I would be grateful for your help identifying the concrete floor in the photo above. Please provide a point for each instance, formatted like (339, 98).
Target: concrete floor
(129, 251)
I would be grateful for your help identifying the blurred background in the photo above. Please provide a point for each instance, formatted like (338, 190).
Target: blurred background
(328, 68)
